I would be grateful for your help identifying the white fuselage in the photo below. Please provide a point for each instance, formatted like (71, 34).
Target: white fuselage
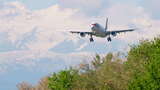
(98, 30)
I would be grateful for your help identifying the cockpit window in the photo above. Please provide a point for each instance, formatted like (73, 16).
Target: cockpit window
(96, 24)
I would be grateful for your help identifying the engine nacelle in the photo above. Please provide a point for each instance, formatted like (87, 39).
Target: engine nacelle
(114, 34)
(82, 34)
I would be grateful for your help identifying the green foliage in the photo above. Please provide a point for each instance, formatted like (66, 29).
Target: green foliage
(101, 74)
(97, 62)
(62, 80)
(144, 62)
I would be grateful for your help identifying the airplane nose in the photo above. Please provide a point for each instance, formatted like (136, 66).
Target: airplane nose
(92, 25)
(92, 28)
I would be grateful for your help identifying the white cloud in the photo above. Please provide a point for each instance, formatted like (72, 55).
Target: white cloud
(47, 22)
(35, 32)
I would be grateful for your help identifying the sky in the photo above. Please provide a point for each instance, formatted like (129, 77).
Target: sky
(35, 39)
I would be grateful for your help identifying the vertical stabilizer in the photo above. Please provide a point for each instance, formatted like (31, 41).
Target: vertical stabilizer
(106, 27)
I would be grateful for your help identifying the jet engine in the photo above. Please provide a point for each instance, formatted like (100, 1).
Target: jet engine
(114, 33)
(82, 34)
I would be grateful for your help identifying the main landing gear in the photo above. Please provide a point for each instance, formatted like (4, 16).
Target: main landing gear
(91, 39)
(109, 39)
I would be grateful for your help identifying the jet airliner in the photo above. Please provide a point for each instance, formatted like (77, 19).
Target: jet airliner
(99, 31)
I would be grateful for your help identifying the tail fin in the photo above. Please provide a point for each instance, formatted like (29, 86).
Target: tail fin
(106, 27)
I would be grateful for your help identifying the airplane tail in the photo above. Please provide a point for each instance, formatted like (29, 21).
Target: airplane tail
(106, 27)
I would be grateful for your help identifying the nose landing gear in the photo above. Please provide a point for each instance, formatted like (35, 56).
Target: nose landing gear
(91, 39)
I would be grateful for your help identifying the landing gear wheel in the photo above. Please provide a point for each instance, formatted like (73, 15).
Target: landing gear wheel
(91, 40)
(109, 39)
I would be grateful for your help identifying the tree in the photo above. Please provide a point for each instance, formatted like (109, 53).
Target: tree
(62, 80)
(144, 60)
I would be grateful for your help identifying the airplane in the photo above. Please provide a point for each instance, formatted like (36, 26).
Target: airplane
(99, 31)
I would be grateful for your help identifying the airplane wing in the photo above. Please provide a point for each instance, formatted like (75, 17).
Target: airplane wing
(77, 32)
(82, 34)
(120, 31)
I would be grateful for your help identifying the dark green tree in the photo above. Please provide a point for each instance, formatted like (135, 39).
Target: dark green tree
(144, 63)
(62, 80)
